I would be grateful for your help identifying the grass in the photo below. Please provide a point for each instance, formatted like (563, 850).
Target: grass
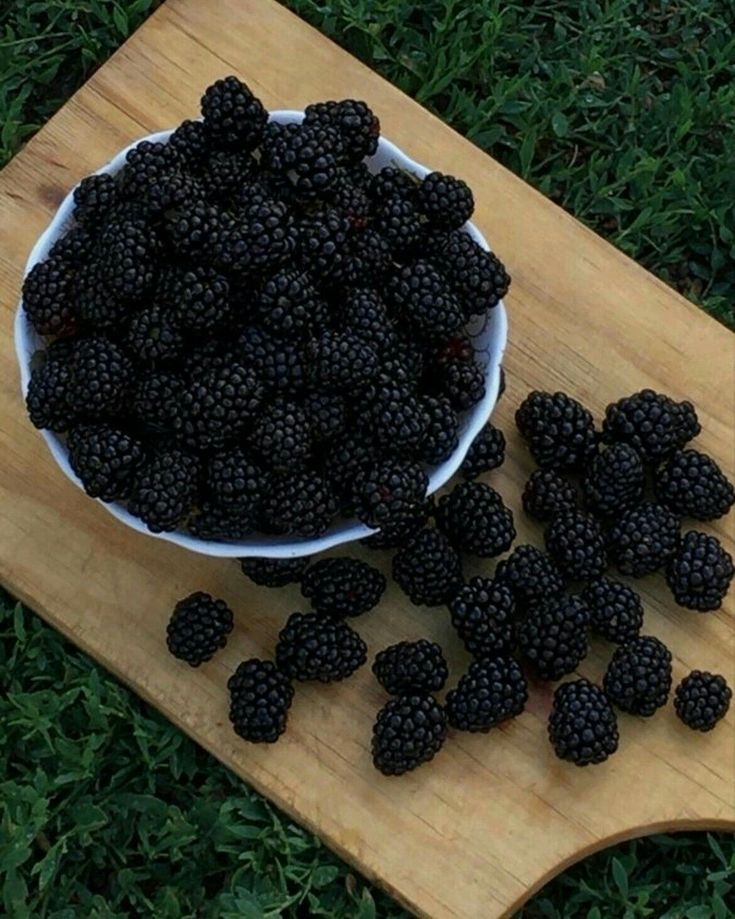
(618, 110)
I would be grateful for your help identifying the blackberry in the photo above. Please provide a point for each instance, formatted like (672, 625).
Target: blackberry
(428, 569)
(271, 236)
(486, 452)
(225, 173)
(559, 431)
(48, 297)
(126, 249)
(97, 305)
(547, 494)
(423, 301)
(554, 636)
(217, 405)
(192, 229)
(411, 666)
(441, 434)
(289, 305)
(94, 198)
(387, 491)
(398, 221)
(643, 539)
(343, 460)
(575, 542)
(104, 459)
(340, 361)
(281, 436)
(342, 587)
(304, 154)
(364, 314)
(167, 191)
(367, 258)
(530, 574)
(356, 124)
(392, 183)
(278, 365)
(409, 730)
(323, 245)
(198, 628)
(474, 519)
(398, 532)
(222, 522)
(699, 572)
(653, 424)
(457, 348)
(483, 615)
(478, 276)
(154, 400)
(614, 480)
(234, 480)
(153, 336)
(462, 383)
(200, 299)
(274, 572)
(314, 647)
(583, 728)
(232, 115)
(398, 420)
(260, 697)
(75, 247)
(101, 375)
(702, 699)
(47, 398)
(164, 490)
(327, 414)
(299, 503)
(638, 677)
(693, 485)
(350, 200)
(616, 611)
(191, 144)
(147, 161)
(491, 692)
(446, 201)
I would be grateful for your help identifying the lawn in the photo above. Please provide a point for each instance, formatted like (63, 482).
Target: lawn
(621, 111)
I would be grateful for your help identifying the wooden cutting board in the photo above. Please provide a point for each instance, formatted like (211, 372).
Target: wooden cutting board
(493, 817)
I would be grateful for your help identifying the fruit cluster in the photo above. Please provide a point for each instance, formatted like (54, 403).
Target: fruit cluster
(535, 616)
(248, 330)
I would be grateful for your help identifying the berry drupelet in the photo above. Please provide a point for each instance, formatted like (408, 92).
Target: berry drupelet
(559, 431)
(699, 572)
(314, 647)
(260, 697)
(702, 699)
(616, 611)
(104, 459)
(342, 586)
(411, 666)
(546, 494)
(638, 677)
(474, 519)
(198, 628)
(486, 452)
(583, 728)
(408, 731)
(614, 480)
(428, 569)
(691, 484)
(530, 574)
(643, 539)
(483, 615)
(274, 572)
(491, 692)
(576, 543)
(654, 424)
(554, 636)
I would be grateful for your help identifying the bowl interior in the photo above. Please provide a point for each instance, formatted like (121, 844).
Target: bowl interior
(488, 334)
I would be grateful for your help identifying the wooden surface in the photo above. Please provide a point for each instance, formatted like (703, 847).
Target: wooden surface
(493, 817)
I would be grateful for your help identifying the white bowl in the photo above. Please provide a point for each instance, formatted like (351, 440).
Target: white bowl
(488, 333)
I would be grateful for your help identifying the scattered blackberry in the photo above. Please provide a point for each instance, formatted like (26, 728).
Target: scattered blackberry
(154, 400)
(486, 452)
(411, 666)
(474, 519)
(483, 615)
(446, 201)
(126, 251)
(314, 647)
(365, 315)
(392, 183)
(614, 480)
(559, 430)
(441, 435)
(650, 422)
(299, 503)
(462, 383)
(638, 678)
(554, 636)
(423, 301)
(327, 414)
(48, 297)
(225, 173)
(164, 490)
(478, 276)
(104, 459)
(289, 305)
(222, 522)
(101, 375)
(491, 692)
(575, 542)
(342, 587)
(198, 628)
(323, 244)
(388, 491)
(398, 420)
(340, 361)
(547, 494)
(398, 221)
(200, 298)
(94, 198)
(191, 144)
(47, 398)
(699, 572)
(643, 539)
(281, 436)
(234, 480)
(530, 574)
(428, 570)
(153, 336)
(234, 118)
(260, 697)
(702, 699)
(274, 572)
(399, 531)
(583, 728)
(278, 365)
(408, 731)
(693, 485)
(616, 611)
(356, 124)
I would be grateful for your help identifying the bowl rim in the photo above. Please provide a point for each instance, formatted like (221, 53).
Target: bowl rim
(265, 547)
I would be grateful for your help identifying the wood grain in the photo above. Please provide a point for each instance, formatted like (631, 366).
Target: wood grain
(494, 817)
